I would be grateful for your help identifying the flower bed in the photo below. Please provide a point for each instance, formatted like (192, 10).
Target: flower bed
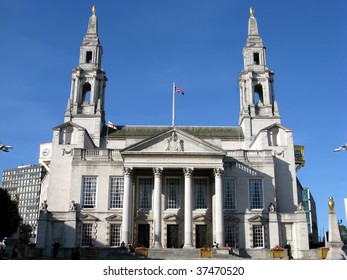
(205, 253)
(277, 252)
(141, 251)
(322, 252)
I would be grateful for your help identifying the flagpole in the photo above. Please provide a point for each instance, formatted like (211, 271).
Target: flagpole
(173, 104)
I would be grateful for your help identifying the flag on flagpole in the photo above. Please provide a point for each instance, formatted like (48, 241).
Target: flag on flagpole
(177, 89)
(110, 124)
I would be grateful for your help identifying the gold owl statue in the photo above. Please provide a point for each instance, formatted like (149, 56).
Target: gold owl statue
(331, 204)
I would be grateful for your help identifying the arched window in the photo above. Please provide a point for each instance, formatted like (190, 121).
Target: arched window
(86, 93)
(258, 95)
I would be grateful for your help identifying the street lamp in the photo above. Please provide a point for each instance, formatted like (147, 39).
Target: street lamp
(5, 148)
(341, 148)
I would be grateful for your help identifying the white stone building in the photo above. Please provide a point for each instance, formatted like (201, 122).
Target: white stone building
(173, 187)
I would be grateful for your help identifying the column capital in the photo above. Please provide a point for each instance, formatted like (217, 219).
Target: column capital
(218, 172)
(128, 171)
(157, 171)
(188, 171)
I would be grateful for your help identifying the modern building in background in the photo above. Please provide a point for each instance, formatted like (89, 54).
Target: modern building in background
(311, 215)
(173, 186)
(24, 185)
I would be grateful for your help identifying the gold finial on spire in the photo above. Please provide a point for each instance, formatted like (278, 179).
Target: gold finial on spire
(331, 204)
(251, 11)
(94, 10)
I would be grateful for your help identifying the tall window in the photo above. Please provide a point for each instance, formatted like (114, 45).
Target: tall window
(256, 193)
(145, 193)
(230, 235)
(116, 192)
(172, 193)
(200, 193)
(115, 235)
(258, 236)
(89, 192)
(86, 235)
(229, 193)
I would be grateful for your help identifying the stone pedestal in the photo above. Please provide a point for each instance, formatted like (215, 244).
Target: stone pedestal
(334, 244)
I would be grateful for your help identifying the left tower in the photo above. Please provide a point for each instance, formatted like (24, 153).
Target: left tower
(87, 96)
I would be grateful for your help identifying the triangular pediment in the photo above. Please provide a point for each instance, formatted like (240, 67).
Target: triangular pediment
(231, 219)
(174, 141)
(88, 218)
(114, 217)
(68, 124)
(258, 218)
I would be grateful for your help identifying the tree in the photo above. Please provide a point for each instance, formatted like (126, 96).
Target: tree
(9, 215)
(25, 232)
(343, 233)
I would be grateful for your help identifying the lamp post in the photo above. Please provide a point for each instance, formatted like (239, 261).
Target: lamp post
(5, 148)
(341, 148)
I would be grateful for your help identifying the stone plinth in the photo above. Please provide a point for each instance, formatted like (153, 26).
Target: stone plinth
(335, 243)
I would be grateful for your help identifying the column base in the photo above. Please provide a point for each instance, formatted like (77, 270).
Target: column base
(157, 245)
(188, 246)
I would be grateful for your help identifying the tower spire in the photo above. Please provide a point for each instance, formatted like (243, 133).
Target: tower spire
(258, 104)
(86, 103)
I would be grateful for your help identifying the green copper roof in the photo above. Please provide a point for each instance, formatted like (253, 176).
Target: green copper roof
(197, 131)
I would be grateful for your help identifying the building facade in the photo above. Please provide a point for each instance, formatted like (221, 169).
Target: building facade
(173, 187)
(311, 215)
(24, 186)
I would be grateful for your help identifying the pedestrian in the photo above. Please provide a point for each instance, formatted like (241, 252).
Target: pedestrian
(289, 251)
(56, 247)
(75, 253)
(15, 252)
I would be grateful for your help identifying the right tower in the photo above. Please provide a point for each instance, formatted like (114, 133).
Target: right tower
(257, 99)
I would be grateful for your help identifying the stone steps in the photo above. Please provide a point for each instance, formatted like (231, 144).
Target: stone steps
(184, 254)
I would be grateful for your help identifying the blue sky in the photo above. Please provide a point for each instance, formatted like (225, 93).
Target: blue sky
(148, 44)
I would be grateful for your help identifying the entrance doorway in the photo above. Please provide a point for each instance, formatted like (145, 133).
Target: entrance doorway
(172, 236)
(200, 236)
(143, 235)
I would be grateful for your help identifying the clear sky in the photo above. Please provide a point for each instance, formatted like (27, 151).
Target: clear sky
(148, 44)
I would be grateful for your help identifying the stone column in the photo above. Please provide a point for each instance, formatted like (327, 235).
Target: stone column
(127, 202)
(219, 215)
(157, 207)
(188, 207)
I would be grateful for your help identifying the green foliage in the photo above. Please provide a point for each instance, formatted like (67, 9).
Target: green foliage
(343, 233)
(9, 215)
(25, 232)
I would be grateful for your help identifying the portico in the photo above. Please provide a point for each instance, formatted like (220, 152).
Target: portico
(171, 186)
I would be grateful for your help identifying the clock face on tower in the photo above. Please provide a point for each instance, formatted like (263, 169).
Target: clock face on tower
(298, 154)
(45, 152)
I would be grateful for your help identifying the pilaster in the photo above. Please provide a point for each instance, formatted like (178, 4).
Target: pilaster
(157, 207)
(188, 207)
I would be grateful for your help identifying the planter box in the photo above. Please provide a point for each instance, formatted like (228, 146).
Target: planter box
(322, 253)
(277, 254)
(205, 254)
(143, 253)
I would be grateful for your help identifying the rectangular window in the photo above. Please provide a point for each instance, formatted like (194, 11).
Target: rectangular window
(86, 235)
(256, 193)
(256, 60)
(89, 192)
(229, 193)
(258, 236)
(116, 192)
(200, 193)
(89, 57)
(172, 193)
(115, 236)
(145, 187)
(230, 235)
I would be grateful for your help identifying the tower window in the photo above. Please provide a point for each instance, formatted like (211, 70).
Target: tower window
(258, 95)
(256, 58)
(89, 57)
(86, 93)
